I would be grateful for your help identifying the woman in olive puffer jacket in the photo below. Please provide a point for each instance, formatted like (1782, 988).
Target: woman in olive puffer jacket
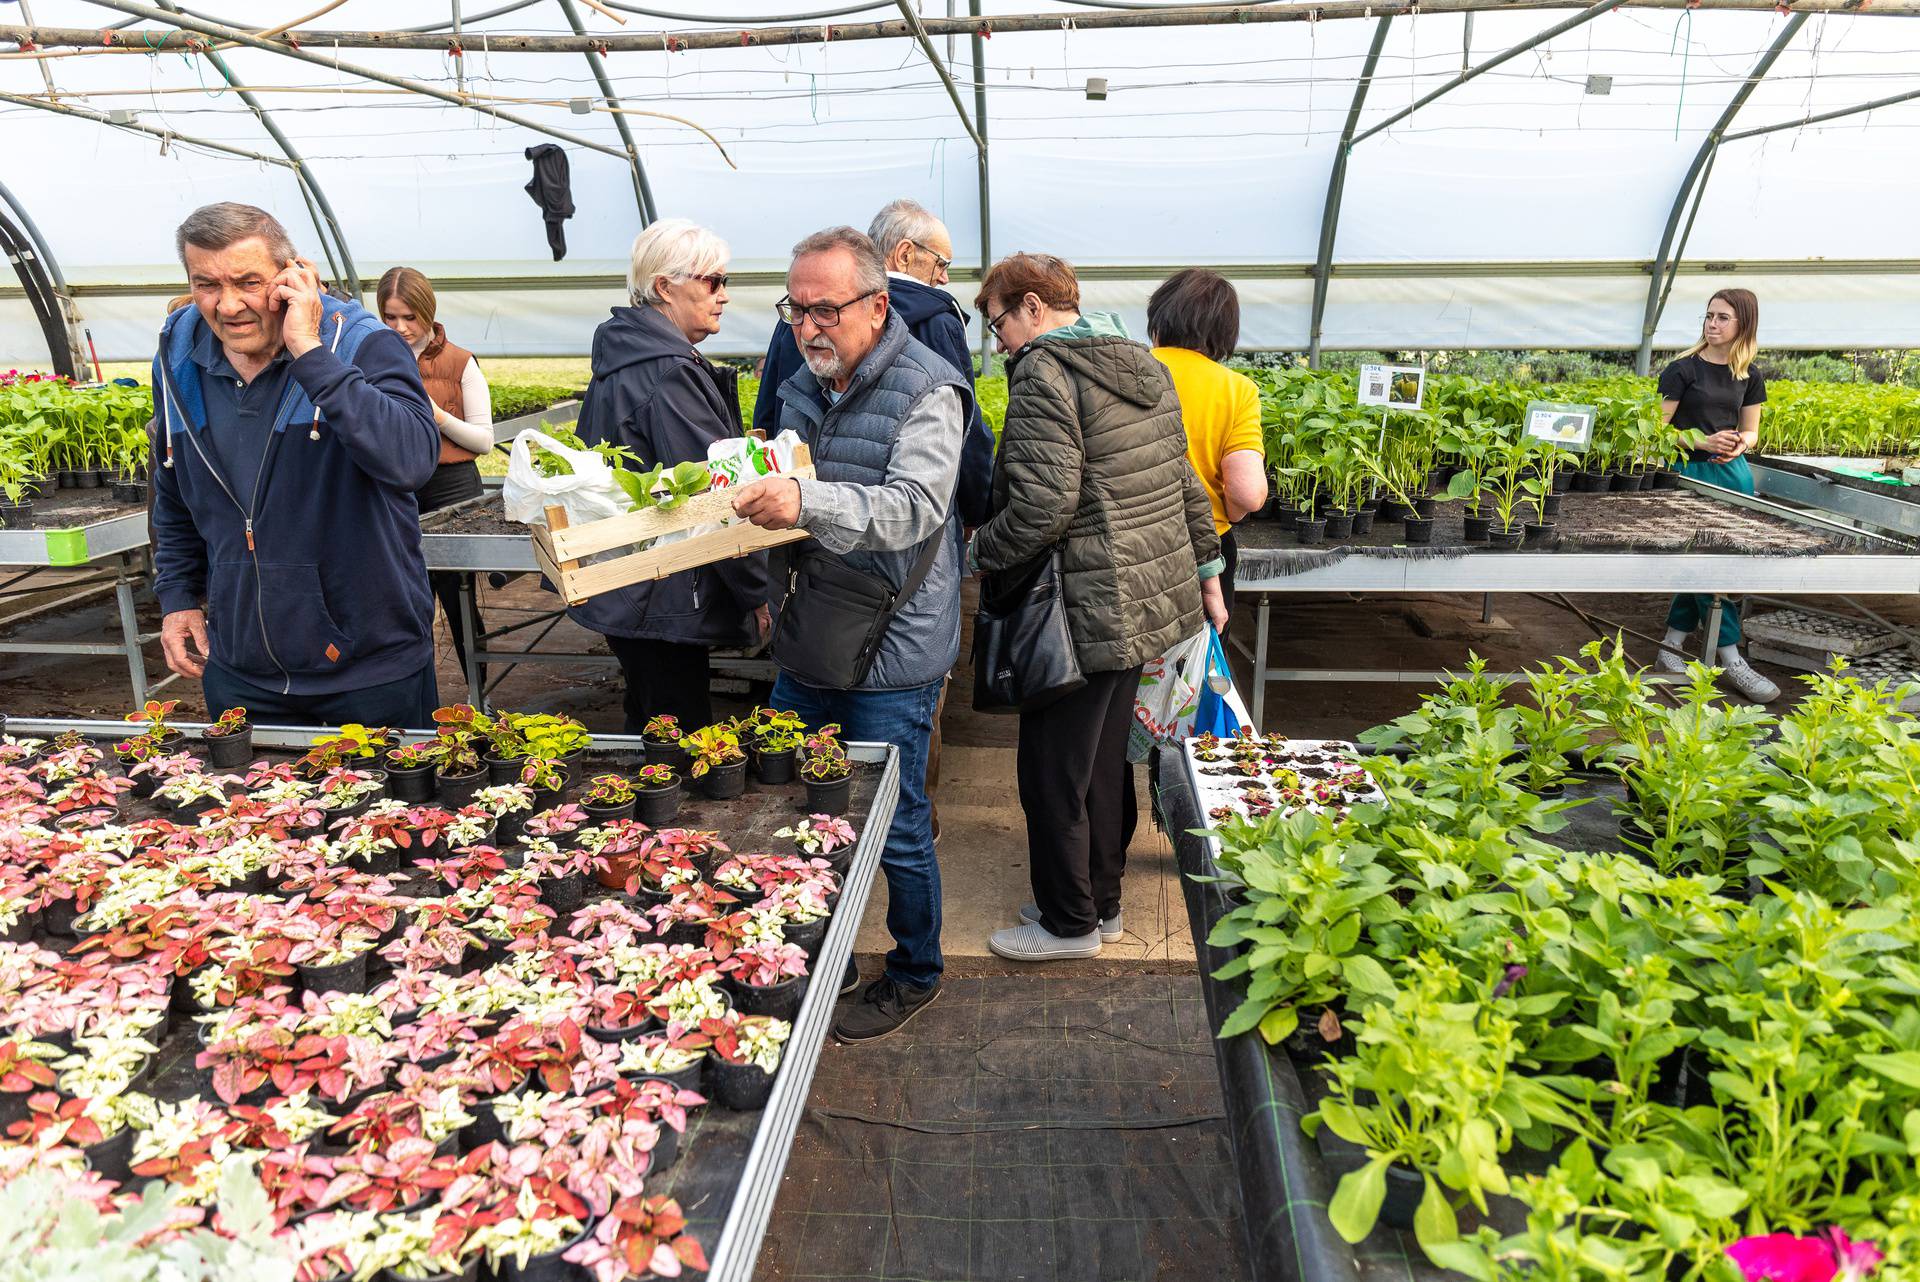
(1092, 458)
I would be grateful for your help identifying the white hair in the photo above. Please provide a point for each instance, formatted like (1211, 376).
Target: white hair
(902, 220)
(677, 248)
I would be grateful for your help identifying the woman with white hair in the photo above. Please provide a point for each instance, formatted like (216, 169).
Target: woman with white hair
(654, 394)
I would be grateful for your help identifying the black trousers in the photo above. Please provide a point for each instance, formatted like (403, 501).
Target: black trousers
(452, 483)
(665, 678)
(1230, 552)
(1076, 790)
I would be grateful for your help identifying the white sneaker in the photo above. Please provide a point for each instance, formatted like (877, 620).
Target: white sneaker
(1742, 677)
(1112, 929)
(1667, 660)
(1035, 943)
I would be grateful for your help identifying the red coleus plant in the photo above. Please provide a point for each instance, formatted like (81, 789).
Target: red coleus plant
(689, 843)
(91, 792)
(153, 714)
(408, 1171)
(502, 1062)
(764, 965)
(48, 1114)
(18, 1071)
(655, 867)
(641, 1237)
(469, 869)
(295, 1179)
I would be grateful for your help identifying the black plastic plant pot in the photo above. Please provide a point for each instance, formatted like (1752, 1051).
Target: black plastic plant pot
(1505, 540)
(1666, 480)
(1312, 531)
(230, 751)
(1562, 482)
(1419, 530)
(548, 798)
(14, 515)
(774, 767)
(1621, 482)
(471, 1273)
(21, 930)
(829, 797)
(1591, 482)
(112, 1158)
(1288, 515)
(601, 815)
(58, 917)
(551, 1267)
(1476, 527)
(1405, 1188)
(130, 491)
(740, 1087)
(685, 1079)
(617, 1033)
(507, 828)
(564, 894)
(781, 1001)
(666, 752)
(504, 769)
(691, 933)
(1550, 504)
(724, 782)
(457, 791)
(806, 934)
(1538, 531)
(349, 976)
(1340, 526)
(665, 1151)
(656, 807)
(85, 478)
(413, 784)
(1425, 508)
(1393, 510)
(1362, 521)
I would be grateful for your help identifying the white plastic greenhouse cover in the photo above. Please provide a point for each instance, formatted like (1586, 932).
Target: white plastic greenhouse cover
(1213, 147)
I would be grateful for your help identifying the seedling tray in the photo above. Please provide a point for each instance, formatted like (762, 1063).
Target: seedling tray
(74, 527)
(730, 1165)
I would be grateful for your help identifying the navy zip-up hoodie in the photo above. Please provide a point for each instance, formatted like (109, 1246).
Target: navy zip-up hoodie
(320, 588)
(655, 394)
(933, 317)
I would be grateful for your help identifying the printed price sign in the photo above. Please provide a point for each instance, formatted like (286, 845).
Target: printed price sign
(1396, 387)
(1568, 426)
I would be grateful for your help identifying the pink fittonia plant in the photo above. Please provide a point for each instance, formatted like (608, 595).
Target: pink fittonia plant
(1783, 1257)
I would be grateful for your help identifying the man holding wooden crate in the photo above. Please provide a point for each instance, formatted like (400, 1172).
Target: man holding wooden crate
(867, 622)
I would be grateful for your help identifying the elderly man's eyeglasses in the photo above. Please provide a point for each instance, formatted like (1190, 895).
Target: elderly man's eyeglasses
(938, 261)
(825, 315)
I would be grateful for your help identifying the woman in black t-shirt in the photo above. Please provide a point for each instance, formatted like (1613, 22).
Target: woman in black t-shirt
(1712, 388)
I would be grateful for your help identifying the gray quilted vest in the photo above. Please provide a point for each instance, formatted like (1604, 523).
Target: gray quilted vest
(852, 441)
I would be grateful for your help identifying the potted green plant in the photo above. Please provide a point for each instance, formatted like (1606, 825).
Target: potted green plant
(776, 738)
(718, 762)
(827, 773)
(742, 1056)
(413, 772)
(662, 738)
(548, 779)
(656, 794)
(608, 797)
(230, 740)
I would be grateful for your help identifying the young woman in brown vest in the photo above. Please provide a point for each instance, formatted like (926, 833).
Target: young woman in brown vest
(462, 408)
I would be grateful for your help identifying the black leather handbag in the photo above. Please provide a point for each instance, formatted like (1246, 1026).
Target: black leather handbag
(1023, 657)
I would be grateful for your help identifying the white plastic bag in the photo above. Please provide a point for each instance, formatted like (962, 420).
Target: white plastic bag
(1169, 696)
(588, 495)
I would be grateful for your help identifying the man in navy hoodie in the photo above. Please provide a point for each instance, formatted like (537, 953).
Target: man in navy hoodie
(286, 538)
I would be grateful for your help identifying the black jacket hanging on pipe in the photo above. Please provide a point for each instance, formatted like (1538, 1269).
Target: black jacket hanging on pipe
(551, 188)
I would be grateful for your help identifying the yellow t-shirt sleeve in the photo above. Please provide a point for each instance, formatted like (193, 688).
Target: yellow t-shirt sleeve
(1243, 423)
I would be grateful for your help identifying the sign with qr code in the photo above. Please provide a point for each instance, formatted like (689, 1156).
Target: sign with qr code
(1568, 426)
(1397, 387)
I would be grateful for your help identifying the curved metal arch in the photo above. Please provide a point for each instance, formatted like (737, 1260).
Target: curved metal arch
(42, 253)
(319, 209)
(1663, 262)
(1336, 187)
(642, 189)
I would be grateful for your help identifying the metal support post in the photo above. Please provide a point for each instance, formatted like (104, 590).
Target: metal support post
(1336, 187)
(130, 632)
(1263, 621)
(642, 189)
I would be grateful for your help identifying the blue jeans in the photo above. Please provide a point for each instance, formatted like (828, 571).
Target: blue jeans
(1690, 611)
(903, 718)
(406, 704)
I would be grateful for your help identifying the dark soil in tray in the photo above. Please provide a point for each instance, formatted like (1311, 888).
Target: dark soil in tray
(484, 515)
(64, 509)
(1647, 521)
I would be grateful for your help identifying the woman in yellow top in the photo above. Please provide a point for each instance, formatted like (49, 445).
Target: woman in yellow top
(1193, 320)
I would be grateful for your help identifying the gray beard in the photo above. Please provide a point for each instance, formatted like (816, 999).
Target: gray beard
(826, 366)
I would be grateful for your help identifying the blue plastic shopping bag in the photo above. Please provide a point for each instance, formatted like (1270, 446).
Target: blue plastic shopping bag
(1220, 712)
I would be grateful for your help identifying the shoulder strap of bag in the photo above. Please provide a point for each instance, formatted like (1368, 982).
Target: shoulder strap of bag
(921, 568)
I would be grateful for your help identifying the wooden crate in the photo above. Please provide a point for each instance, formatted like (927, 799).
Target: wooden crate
(561, 547)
